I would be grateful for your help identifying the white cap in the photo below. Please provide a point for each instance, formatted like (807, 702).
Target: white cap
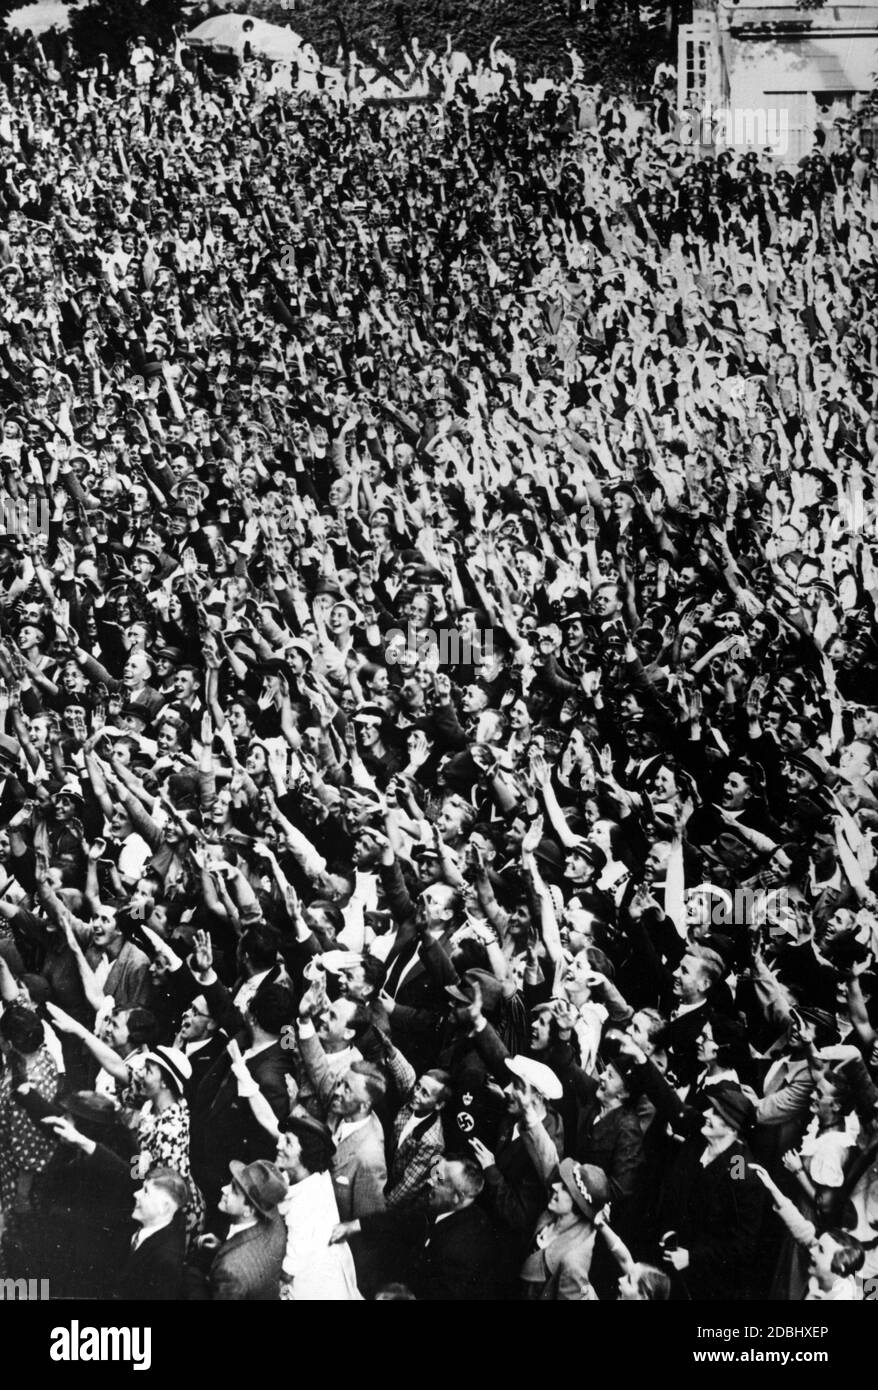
(537, 1075)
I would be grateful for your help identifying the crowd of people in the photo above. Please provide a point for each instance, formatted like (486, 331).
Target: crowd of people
(437, 702)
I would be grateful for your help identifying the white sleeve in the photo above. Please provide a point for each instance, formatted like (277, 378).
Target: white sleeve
(827, 1162)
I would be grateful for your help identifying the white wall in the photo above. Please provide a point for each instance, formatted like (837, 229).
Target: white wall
(781, 76)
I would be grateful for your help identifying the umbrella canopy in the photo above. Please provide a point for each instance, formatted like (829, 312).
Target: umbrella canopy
(38, 18)
(226, 31)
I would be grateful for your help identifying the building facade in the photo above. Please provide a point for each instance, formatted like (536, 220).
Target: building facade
(768, 75)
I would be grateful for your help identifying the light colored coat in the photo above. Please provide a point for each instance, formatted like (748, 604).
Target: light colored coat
(568, 1264)
(314, 1270)
(359, 1169)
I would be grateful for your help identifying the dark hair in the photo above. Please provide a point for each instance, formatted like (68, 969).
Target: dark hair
(21, 1027)
(844, 1095)
(316, 1143)
(730, 1036)
(38, 988)
(850, 1258)
(374, 971)
(250, 707)
(332, 913)
(142, 1026)
(273, 1007)
(259, 944)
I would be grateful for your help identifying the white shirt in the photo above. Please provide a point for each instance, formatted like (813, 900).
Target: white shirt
(588, 1026)
(145, 1232)
(320, 1272)
(406, 971)
(238, 1227)
(348, 1127)
(134, 855)
(407, 1129)
(841, 1291)
(245, 994)
(686, 1009)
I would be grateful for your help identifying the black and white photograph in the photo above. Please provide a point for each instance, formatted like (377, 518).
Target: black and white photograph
(439, 661)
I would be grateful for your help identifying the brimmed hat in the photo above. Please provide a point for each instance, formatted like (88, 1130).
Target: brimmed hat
(149, 554)
(356, 615)
(298, 644)
(174, 654)
(174, 1063)
(9, 750)
(261, 1183)
(369, 714)
(492, 990)
(537, 1075)
(733, 1106)
(422, 852)
(810, 762)
(72, 790)
(132, 710)
(588, 851)
(587, 1185)
(89, 1106)
(549, 854)
(189, 482)
(327, 586)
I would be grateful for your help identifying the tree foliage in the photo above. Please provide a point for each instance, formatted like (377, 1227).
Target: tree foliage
(620, 50)
(106, 26)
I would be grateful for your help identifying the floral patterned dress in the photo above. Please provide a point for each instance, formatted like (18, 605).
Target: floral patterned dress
(164, 1140)
(25, 1146)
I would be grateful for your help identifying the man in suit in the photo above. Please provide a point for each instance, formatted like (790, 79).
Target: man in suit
(359, 1170)
(222, 1125)
(247, 1266)
(455, 1253)
(202, 1042)
(529, 1146)
(418, 966)
(416, 1139)
(697, 972)
(154, 1268)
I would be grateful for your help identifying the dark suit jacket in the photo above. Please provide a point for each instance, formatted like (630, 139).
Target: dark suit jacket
(613, 1142)
(515, 1192)
(418, 1022)
(81, 1233)
(202, 1059)
(460, 1258)
(717, 1214)
(246, 1268)
(682, 1036)
(154, 1271)
(222, 1126)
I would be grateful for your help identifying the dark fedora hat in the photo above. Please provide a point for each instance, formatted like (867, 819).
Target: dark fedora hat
(261, 1183)
(91, 1107)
